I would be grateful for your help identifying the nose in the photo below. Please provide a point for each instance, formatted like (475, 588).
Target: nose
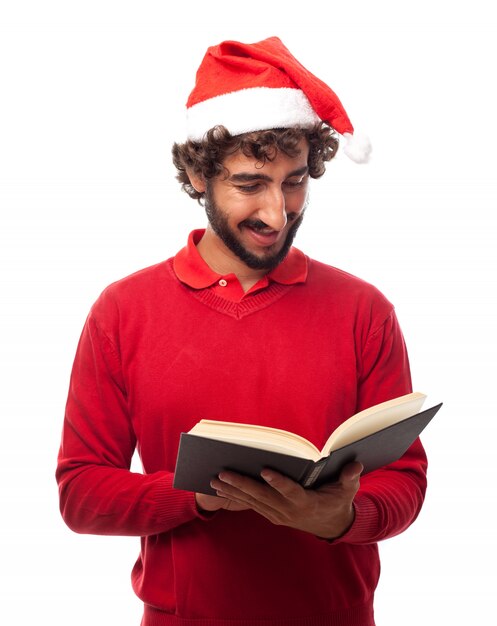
(273, 209)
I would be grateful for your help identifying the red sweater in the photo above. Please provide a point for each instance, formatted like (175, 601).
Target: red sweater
(156, 355)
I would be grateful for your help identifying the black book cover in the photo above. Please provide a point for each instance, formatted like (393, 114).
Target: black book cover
(200, 459)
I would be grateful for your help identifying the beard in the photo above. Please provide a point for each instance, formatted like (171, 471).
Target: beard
(267, 260)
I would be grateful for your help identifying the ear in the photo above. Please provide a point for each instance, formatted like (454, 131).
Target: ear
(197, 181)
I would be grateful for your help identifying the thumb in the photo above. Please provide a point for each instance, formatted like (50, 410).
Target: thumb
(351, 472)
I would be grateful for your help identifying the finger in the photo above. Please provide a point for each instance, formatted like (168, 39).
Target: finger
(288, 488)
(243, 487)
(259, 497)
(231, 505)
(230, 498)
(236, 487)
(351, 472)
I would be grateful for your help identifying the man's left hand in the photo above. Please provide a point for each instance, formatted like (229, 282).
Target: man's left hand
(326, 512)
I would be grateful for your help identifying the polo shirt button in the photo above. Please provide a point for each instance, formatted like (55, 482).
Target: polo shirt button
(223, 282)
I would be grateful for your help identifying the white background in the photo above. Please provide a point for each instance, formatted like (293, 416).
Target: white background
(92, 97)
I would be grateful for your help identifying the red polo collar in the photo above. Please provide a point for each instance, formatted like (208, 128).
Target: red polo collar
(191, 269)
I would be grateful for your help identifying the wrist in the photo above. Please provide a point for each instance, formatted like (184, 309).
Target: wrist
(340, 528)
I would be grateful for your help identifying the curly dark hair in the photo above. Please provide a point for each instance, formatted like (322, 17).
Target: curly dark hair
(206, 157)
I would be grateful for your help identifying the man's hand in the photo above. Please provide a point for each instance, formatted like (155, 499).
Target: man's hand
(325, 512)
(213, 503)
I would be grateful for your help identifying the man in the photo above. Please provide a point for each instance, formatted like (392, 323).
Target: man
(241, 326)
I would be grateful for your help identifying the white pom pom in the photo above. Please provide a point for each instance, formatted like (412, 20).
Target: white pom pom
(357, 147)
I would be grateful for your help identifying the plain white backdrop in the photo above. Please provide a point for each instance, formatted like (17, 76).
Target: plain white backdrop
(92, 99)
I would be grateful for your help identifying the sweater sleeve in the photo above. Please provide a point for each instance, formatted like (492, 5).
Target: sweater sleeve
(389, 499)
(98, 492)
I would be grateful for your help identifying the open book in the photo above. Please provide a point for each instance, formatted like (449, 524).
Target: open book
(375, 437)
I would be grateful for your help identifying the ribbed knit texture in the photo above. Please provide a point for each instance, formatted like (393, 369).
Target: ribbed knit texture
(155, 356)
(359, 616)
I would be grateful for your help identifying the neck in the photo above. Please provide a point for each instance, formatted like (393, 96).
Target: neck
(220, 259)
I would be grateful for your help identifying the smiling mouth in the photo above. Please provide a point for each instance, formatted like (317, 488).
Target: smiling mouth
(260, 232)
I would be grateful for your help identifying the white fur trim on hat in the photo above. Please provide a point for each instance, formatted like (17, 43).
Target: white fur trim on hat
(246, 110)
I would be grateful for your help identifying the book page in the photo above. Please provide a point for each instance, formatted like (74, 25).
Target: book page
(374, 419)
(255, 436)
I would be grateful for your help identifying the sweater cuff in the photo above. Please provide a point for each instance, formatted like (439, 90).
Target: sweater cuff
(176, 507)
(365, 524)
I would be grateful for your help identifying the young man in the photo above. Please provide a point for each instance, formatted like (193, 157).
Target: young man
(241, 326)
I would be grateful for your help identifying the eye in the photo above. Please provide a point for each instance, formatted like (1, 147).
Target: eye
(248, 188)
(295, 184)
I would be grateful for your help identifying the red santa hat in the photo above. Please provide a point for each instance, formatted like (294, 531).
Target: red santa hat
(250, 87)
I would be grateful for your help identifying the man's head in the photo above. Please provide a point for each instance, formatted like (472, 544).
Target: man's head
(257, 98)
(254, 186)
(255, 107)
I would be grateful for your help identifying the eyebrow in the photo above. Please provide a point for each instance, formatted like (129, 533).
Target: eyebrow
(251, 176)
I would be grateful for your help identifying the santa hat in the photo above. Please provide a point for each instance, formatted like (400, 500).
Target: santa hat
(250, 87)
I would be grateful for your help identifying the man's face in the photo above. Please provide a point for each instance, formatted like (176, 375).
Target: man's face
(255, 212)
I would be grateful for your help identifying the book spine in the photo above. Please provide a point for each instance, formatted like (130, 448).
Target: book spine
(313, 475)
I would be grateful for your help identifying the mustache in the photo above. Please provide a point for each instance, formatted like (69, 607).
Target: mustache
(260, 225)
(254, 224)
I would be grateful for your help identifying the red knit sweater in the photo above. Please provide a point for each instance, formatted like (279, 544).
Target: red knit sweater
(155, 356)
